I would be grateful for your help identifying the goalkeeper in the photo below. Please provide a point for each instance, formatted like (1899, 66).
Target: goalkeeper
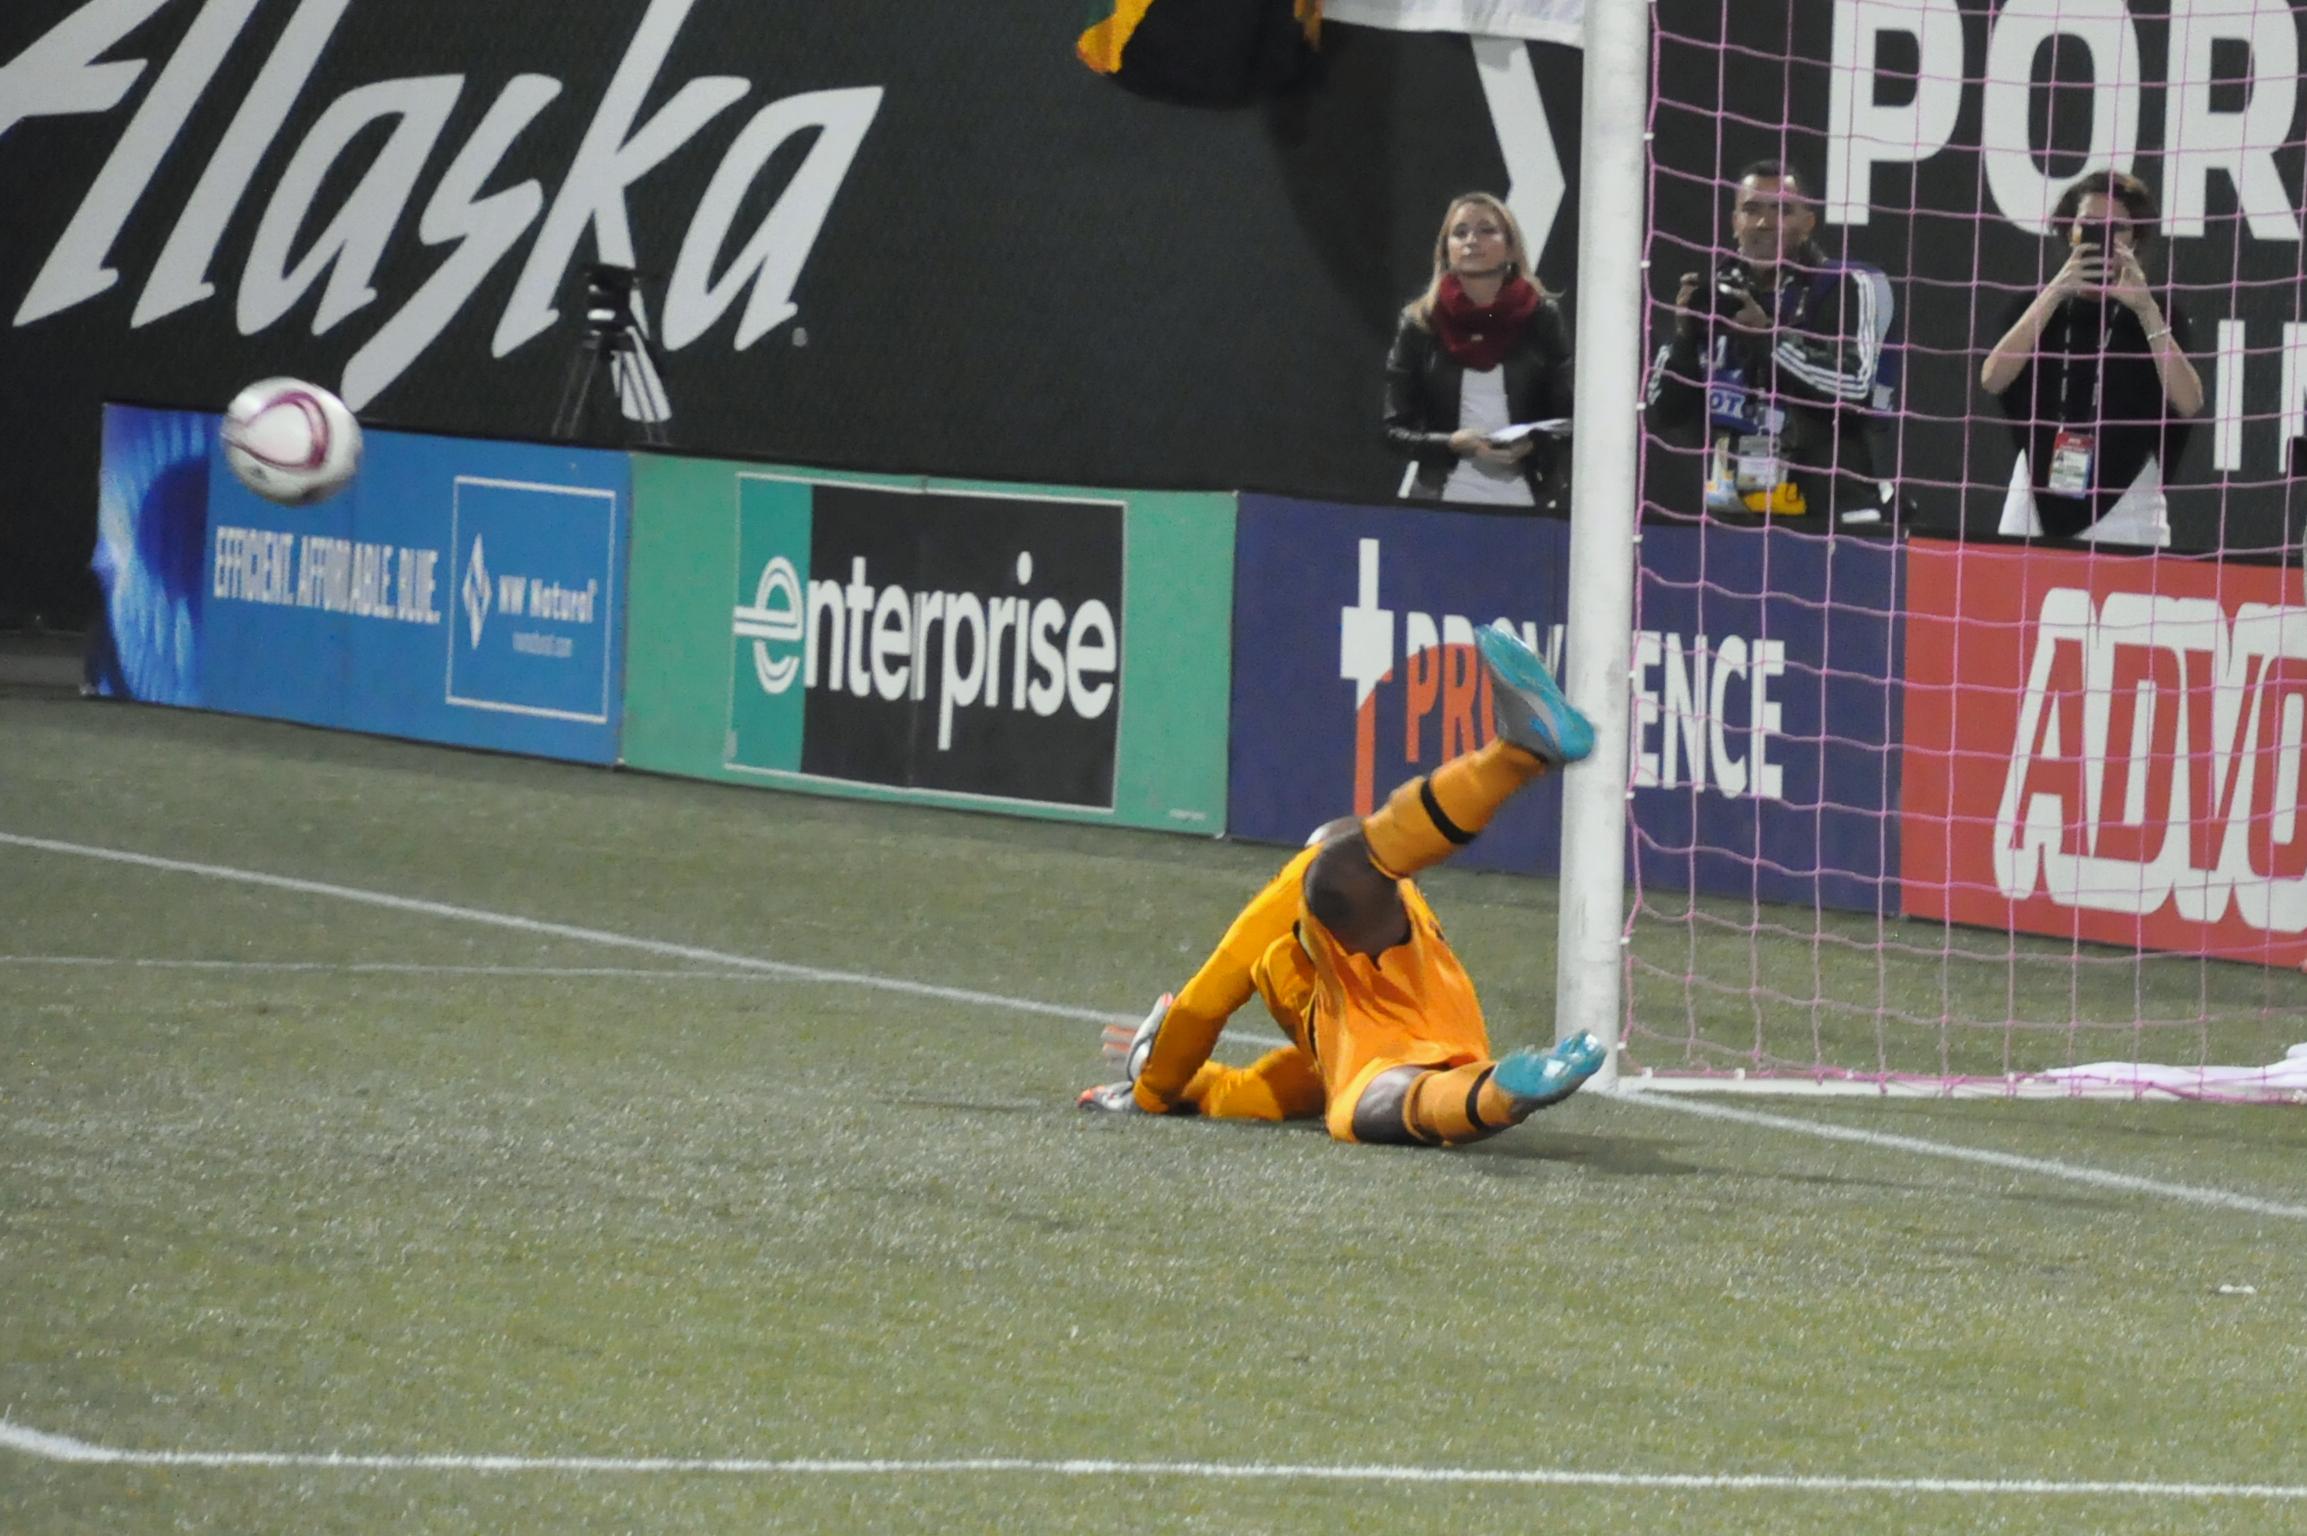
(1387, 1042)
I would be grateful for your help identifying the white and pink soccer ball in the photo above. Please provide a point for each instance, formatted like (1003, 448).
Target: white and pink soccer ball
(290, 442)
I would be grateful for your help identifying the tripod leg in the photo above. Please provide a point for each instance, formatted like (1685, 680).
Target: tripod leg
(640, 396)
(576, 384)
(581, 414)
(633, 379)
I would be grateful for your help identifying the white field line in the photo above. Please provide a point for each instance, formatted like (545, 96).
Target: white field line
(390, 968)
(599, 936)
(2044, 1167)
(2192, 1194)
(64, 1449)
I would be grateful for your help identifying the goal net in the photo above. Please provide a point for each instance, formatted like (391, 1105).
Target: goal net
(1970, 658)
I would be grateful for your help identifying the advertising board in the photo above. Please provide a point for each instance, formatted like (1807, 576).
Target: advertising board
(2108, 749)
(1038, 650)
(1763, 719)
(456, 591)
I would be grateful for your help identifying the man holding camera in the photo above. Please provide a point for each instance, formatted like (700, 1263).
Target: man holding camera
(1782, 360)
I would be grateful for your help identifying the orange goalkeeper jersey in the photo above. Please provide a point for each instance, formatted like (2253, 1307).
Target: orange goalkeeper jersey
(1356, 1015)
(1413, 1005)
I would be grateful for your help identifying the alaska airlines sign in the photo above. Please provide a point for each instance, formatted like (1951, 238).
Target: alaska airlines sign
(378, 140)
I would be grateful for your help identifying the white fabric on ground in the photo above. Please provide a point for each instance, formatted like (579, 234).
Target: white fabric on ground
(2287, 1075)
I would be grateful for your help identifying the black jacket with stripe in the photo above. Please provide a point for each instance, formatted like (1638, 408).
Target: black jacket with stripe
(1826, 378)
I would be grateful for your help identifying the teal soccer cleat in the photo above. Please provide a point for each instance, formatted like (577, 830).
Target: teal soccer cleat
(1536, 1078)
(1527, 705)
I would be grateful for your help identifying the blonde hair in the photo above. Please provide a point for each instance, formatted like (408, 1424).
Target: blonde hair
(1420, 310)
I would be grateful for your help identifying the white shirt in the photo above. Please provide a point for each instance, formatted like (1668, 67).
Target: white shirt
(2141, 515)
(1482, 406)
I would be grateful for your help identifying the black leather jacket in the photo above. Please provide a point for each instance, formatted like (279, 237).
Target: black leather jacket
(1422, 381)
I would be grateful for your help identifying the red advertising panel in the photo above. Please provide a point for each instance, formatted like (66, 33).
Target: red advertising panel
(2107, 748)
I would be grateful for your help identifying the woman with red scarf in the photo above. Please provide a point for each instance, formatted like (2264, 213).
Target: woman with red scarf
(1481, 351)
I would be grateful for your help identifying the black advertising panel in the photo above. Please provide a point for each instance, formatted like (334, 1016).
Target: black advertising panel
(884, 235)
(976, 645)
(874, 235)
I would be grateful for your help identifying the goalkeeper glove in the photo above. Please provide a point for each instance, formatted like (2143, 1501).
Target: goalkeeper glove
(1127, 1047)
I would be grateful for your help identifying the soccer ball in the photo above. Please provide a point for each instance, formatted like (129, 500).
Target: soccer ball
(290, 442)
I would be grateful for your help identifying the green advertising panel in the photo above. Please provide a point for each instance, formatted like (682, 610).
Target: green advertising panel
(1039, 650)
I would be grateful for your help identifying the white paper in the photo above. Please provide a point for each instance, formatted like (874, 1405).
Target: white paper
(1552, 426)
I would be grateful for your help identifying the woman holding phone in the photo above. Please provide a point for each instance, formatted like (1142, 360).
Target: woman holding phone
(1479, 359)
(2094, 376)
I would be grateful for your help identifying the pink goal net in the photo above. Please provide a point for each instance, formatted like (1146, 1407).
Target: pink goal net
(1970, 665)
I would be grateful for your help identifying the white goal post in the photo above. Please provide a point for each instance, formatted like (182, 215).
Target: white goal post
(1605, 468)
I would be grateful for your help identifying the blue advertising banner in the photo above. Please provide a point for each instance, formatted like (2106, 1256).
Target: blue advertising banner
(1354, 661)
(1764, 715)
(457, 591)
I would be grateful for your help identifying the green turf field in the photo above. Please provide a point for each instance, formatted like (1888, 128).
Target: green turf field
(285, 1175)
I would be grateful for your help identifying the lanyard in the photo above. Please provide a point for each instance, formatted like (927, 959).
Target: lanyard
(2074, 311)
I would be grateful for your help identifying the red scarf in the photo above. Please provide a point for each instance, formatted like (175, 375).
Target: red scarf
(1480, 335)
